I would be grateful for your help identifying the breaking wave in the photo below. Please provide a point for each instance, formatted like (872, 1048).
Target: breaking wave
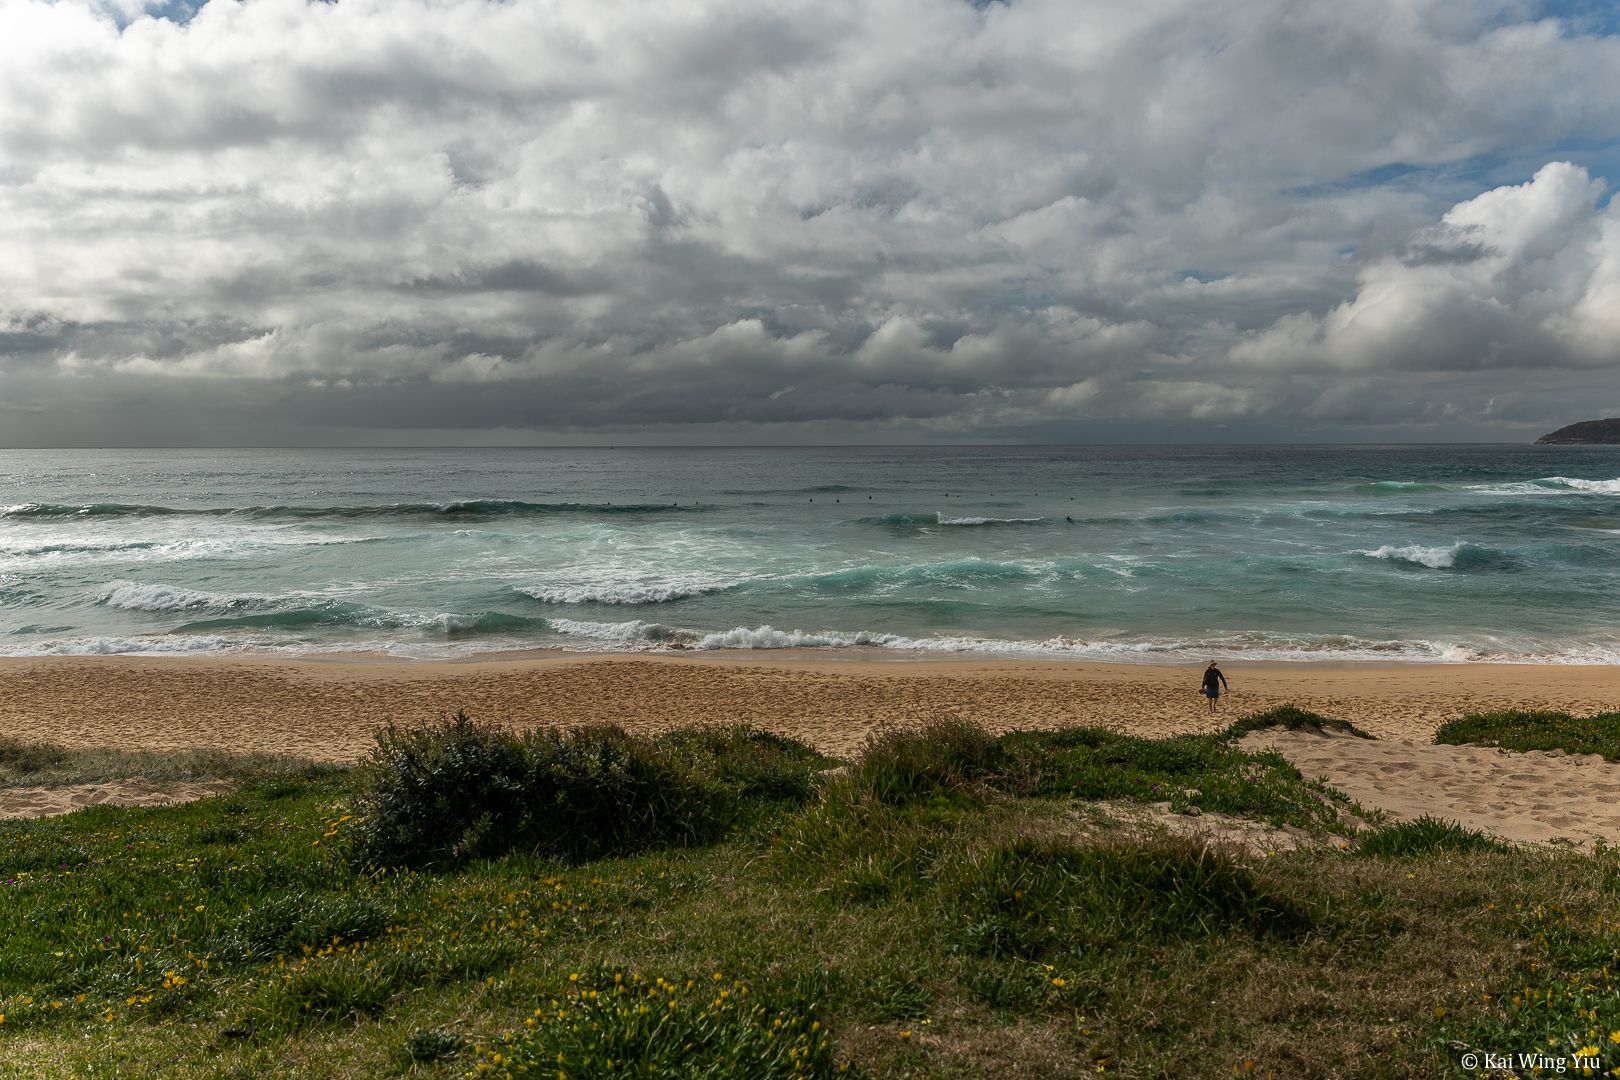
(943, 520)
(343, 615)
(630, 592)
(1553, 485)
(1460, 556)
(138, 596)
(906, 520)
(647, 636)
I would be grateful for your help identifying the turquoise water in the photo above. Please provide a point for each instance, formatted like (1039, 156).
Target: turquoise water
(1347, 552)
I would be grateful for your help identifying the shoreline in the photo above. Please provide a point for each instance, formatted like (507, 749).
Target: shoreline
(815, 654)
(328, 708)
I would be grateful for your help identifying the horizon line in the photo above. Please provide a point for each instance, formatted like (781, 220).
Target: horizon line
(787, 446)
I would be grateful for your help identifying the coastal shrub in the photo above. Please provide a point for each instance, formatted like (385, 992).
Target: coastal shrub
(1426, 834)
(1035, 898)
(625, 1025)
(21, 760)
(945, 756)
(289, 922)
(1518, 729)
(1290, 718)
(751, 764)
(460, 791)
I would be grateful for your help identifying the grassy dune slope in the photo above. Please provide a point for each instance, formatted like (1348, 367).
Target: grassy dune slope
(951, 904)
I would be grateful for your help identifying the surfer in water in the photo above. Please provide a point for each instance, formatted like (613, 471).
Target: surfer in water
(1214, 683)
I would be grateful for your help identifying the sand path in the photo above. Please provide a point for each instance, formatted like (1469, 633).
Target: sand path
(1523, 797)
(33, 802)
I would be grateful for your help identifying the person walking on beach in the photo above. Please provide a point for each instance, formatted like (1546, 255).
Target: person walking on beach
(1214, 683)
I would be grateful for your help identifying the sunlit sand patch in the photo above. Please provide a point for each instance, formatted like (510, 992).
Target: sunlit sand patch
(1525, 797)
(36, 802)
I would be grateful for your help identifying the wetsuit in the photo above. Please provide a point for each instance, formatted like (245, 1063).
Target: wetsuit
(1214, 681)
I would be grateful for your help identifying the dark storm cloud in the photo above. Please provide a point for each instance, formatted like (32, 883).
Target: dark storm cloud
(514, 275)
(1037, 219)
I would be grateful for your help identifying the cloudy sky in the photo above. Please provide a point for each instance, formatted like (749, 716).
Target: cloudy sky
(467, 221)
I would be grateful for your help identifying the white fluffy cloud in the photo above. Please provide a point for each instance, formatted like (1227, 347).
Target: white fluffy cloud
(1521, 276)
(1027, 218)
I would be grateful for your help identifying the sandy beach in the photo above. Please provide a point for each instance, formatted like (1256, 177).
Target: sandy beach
(328, 709)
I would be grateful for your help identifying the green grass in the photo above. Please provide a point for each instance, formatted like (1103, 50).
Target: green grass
(26, 764)
(1516, 729)
(628, 1025)
(972, 915)
(1424, 836)
(1050, 898)
(953, 761)
(1203, 772)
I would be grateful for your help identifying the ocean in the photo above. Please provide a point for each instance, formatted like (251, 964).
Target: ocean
(1414, 553)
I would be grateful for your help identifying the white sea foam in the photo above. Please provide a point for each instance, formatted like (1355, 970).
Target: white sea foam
(452, 622)
(943, 520)
(639, 635)
(621, 592)
(154, 541)
(153, 645)
(58, 548)
(1552, 485)
(1437, 558)
(633, 634)
(1603, 487)
(139, 596)
(768, 637)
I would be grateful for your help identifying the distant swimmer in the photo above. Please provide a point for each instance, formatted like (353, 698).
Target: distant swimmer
(1069, 519)
(1214, 683)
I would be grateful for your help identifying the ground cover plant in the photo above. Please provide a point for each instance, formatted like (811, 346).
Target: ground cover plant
(1517, 729)
(1290, 718)
(953, 759)
(962, 910)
